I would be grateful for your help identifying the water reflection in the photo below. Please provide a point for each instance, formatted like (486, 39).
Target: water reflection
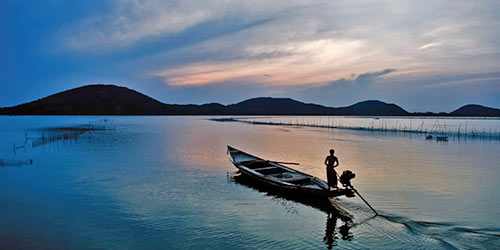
(56, 134)
(334, 230)
(158, 179)
(331, 230)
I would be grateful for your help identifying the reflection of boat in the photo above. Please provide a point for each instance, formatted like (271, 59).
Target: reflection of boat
(333, 229)
(441, 138)
(326, 205)
(281, 177)
(428, 137)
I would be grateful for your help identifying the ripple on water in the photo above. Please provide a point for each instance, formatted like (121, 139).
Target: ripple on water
(414, 233)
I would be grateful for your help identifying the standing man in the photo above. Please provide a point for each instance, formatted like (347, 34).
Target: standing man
(331, 162)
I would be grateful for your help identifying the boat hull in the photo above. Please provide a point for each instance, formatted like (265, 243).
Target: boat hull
(284, 188)
(274, 175)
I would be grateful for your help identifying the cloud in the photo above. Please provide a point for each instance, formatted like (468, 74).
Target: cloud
(131, 21)
(284, 47)
(327, 39)
(428, 46)
(292, 63)
(343, 91)
(369, 77)
(399, 34)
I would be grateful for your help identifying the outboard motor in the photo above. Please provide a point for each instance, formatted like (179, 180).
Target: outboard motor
(346, 178)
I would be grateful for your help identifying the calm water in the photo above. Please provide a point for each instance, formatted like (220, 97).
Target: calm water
(162, 182)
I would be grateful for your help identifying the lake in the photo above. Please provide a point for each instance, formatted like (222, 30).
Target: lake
(165, 182)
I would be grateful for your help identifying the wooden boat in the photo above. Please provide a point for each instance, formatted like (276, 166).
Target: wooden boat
(281, 177)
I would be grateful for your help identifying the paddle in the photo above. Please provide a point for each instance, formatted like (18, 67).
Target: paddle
(282, 162)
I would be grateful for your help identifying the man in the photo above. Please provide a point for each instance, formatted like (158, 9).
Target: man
(331, 163)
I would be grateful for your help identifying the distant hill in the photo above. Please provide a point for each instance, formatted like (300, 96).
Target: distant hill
(91, 100)
(115, 100)
(374, 108)
(475, 110)
(287, 106)
(276, 106)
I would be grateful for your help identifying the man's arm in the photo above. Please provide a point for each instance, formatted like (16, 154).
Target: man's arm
(326, 161)
(336, 163)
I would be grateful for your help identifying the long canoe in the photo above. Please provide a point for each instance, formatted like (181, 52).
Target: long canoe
(280, 176)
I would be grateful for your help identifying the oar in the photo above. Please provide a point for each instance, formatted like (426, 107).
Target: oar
(283, 162)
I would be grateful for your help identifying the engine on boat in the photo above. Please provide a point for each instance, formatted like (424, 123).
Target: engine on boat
(346, 178)
(348, 193)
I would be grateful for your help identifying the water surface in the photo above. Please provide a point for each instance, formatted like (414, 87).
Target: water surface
(162, 182)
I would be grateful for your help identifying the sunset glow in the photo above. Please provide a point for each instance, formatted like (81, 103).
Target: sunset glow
(192, 52)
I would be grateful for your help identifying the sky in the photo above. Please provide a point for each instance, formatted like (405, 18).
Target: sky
(422, 55)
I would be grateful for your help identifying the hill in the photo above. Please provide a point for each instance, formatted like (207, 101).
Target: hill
(475, 110)
(115, 100)
(373, 108)
(276, 106)
(91, 100)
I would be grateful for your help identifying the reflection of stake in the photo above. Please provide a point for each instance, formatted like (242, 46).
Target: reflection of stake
(15, 148)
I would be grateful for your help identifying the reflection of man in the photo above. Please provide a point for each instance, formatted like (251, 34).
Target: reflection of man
(331, 162)
(344, 231)
(331, 236)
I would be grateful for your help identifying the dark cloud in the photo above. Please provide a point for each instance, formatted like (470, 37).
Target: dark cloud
(369, 77)
(365, 78)
(343, 91)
